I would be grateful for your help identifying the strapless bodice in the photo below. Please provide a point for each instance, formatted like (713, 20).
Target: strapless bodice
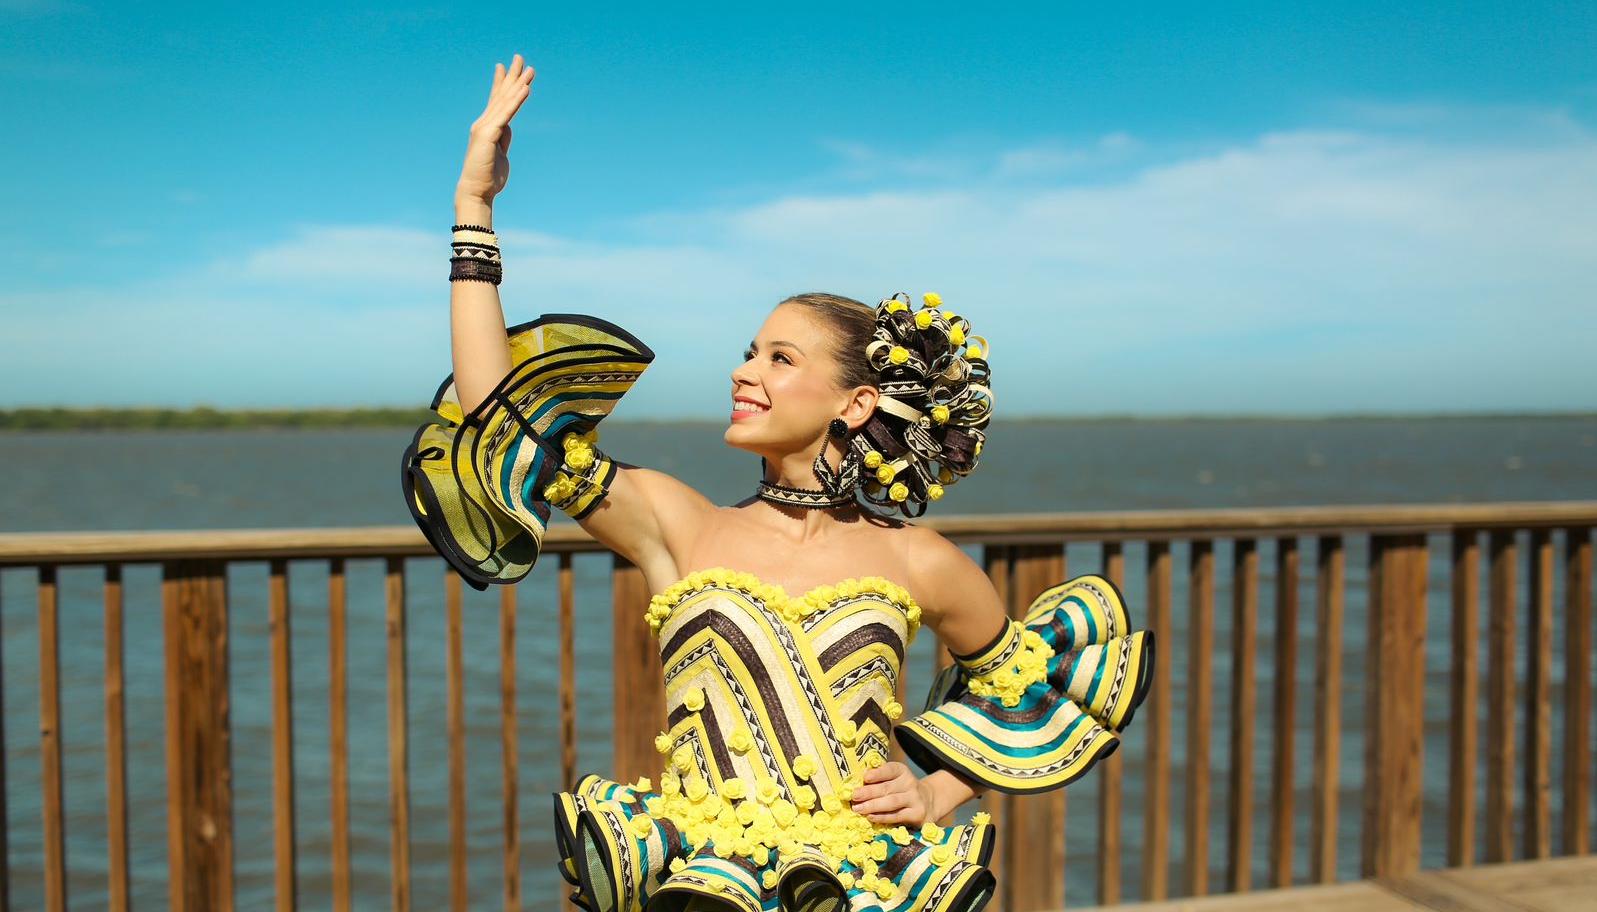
(793, 695)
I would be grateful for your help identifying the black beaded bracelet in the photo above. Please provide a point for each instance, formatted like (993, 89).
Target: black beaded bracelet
(471, 228)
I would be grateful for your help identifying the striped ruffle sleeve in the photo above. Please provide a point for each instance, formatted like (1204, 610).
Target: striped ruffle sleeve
(1045, 700)
(481, 485)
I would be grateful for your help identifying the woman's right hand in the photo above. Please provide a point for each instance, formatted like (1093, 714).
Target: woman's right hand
(487, 166)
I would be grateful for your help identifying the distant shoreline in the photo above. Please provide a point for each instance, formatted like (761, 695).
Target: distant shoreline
(204, 418)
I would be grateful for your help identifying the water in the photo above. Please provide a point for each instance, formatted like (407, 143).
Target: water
(266, 479)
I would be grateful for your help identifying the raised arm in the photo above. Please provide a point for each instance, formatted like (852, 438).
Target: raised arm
(641, 511)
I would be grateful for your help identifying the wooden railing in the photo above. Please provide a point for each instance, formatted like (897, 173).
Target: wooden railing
(1131, 800)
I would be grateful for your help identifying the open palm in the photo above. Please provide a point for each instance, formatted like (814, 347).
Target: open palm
(487, 166)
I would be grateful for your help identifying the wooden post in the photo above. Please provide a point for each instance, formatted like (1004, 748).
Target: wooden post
(198, 755)
(1395, 717)
(639, 679)
(1035, 825)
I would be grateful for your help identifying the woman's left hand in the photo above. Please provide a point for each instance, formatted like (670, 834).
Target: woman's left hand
(893, 794)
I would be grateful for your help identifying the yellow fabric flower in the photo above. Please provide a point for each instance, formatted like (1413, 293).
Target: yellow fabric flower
(932, 299)
(662, 743)
(746, 810)
(894, 709)
(847, 731)
(894, 306)
(948, 315)
(734, 788)
(898, 491)
(784, 811)
(900, 834)
(670, 782)
(640, 825)
(830, 804)
(885, 473)
(973, 351)
(873, 759)
(846, 878)
(741, 740)
(683, 759)
(694, 699)
(934, 491)
(940, 414)
(678, 865)
(768, 879)
(804, 796)
(768, 792)
(697, 789)
(942, 855)
(931, 832)
(898, 354)
(579, 458)
(804, 766)
(981, 818)
(923, 319)
(884, 888)
(956, 336)
(872, 459)
(643, 784)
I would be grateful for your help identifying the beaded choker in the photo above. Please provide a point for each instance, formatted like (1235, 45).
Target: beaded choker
(805, 497)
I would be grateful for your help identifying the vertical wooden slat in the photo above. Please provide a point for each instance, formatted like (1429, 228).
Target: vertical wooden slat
(1200, 641)
(997, 560)
(1286, 664)
(568, 673)
(1538, 833)
(1327, 708)
(508, 749)
(1156, 789)
(50, 783)
(116, 762)
(1109, 779)
(639, 680)
(398, 738)
(282, 736)
(1396, 703)
(1463, 699)
(338, 730)
(1577, 690)
(198, 751)
(1500, 697)
(455, 724)
(1036, 824)
(5, 813)
(1239, 798)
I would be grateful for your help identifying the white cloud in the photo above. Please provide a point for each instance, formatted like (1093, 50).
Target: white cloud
(1348, 268)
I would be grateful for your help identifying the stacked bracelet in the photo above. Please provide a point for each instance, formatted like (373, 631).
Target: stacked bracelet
(475, 255)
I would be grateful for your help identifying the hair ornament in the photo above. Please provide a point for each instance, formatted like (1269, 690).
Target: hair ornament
(936, 402)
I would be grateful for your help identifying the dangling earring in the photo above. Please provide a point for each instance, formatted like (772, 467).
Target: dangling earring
(840, 483)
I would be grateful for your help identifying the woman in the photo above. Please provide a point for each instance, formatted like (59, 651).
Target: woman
(782, 620)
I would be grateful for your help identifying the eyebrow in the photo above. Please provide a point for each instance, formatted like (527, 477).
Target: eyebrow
(779, 342)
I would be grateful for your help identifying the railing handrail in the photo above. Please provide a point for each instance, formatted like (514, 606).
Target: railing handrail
(30, 548)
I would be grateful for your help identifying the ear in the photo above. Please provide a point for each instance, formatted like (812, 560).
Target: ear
(861, 405)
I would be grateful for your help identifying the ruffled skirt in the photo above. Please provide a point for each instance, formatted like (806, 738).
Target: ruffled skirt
(619, 866)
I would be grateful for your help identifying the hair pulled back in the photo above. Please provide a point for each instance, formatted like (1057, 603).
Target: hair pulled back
(936, 398)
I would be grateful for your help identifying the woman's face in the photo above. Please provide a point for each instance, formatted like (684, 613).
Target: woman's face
(787, 378)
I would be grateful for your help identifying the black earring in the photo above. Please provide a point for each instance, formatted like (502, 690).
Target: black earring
(838, 427)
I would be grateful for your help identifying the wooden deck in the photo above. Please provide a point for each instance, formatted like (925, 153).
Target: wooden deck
(1550, 885)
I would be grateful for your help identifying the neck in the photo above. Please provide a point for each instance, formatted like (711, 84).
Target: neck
(797, 470)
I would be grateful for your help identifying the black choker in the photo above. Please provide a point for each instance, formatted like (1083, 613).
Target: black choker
(804, 497)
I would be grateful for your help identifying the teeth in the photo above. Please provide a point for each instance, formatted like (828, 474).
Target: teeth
(747, 407)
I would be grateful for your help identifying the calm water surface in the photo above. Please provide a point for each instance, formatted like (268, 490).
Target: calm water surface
(265, 479)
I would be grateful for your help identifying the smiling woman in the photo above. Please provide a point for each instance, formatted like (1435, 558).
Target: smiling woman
(783, 620)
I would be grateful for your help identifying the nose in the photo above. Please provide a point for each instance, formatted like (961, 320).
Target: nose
(744, 374)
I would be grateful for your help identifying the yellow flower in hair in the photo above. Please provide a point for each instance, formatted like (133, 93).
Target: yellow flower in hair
(973, 351)
(898, 354)
(885, 473)
(895, 305)
(956, 336)
(898, 491)
(872, 459)
(934, 491)
(978, 448)
(939, 413)
(948, 315)
(944, 476)
(923, 319)
(933, 299)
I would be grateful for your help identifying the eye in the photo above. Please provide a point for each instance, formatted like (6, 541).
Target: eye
(750, 353)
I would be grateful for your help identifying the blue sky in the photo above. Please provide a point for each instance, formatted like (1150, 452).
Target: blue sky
(1177, 208)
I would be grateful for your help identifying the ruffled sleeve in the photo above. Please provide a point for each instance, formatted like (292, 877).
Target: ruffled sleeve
(479, 485)
(1045, 700)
